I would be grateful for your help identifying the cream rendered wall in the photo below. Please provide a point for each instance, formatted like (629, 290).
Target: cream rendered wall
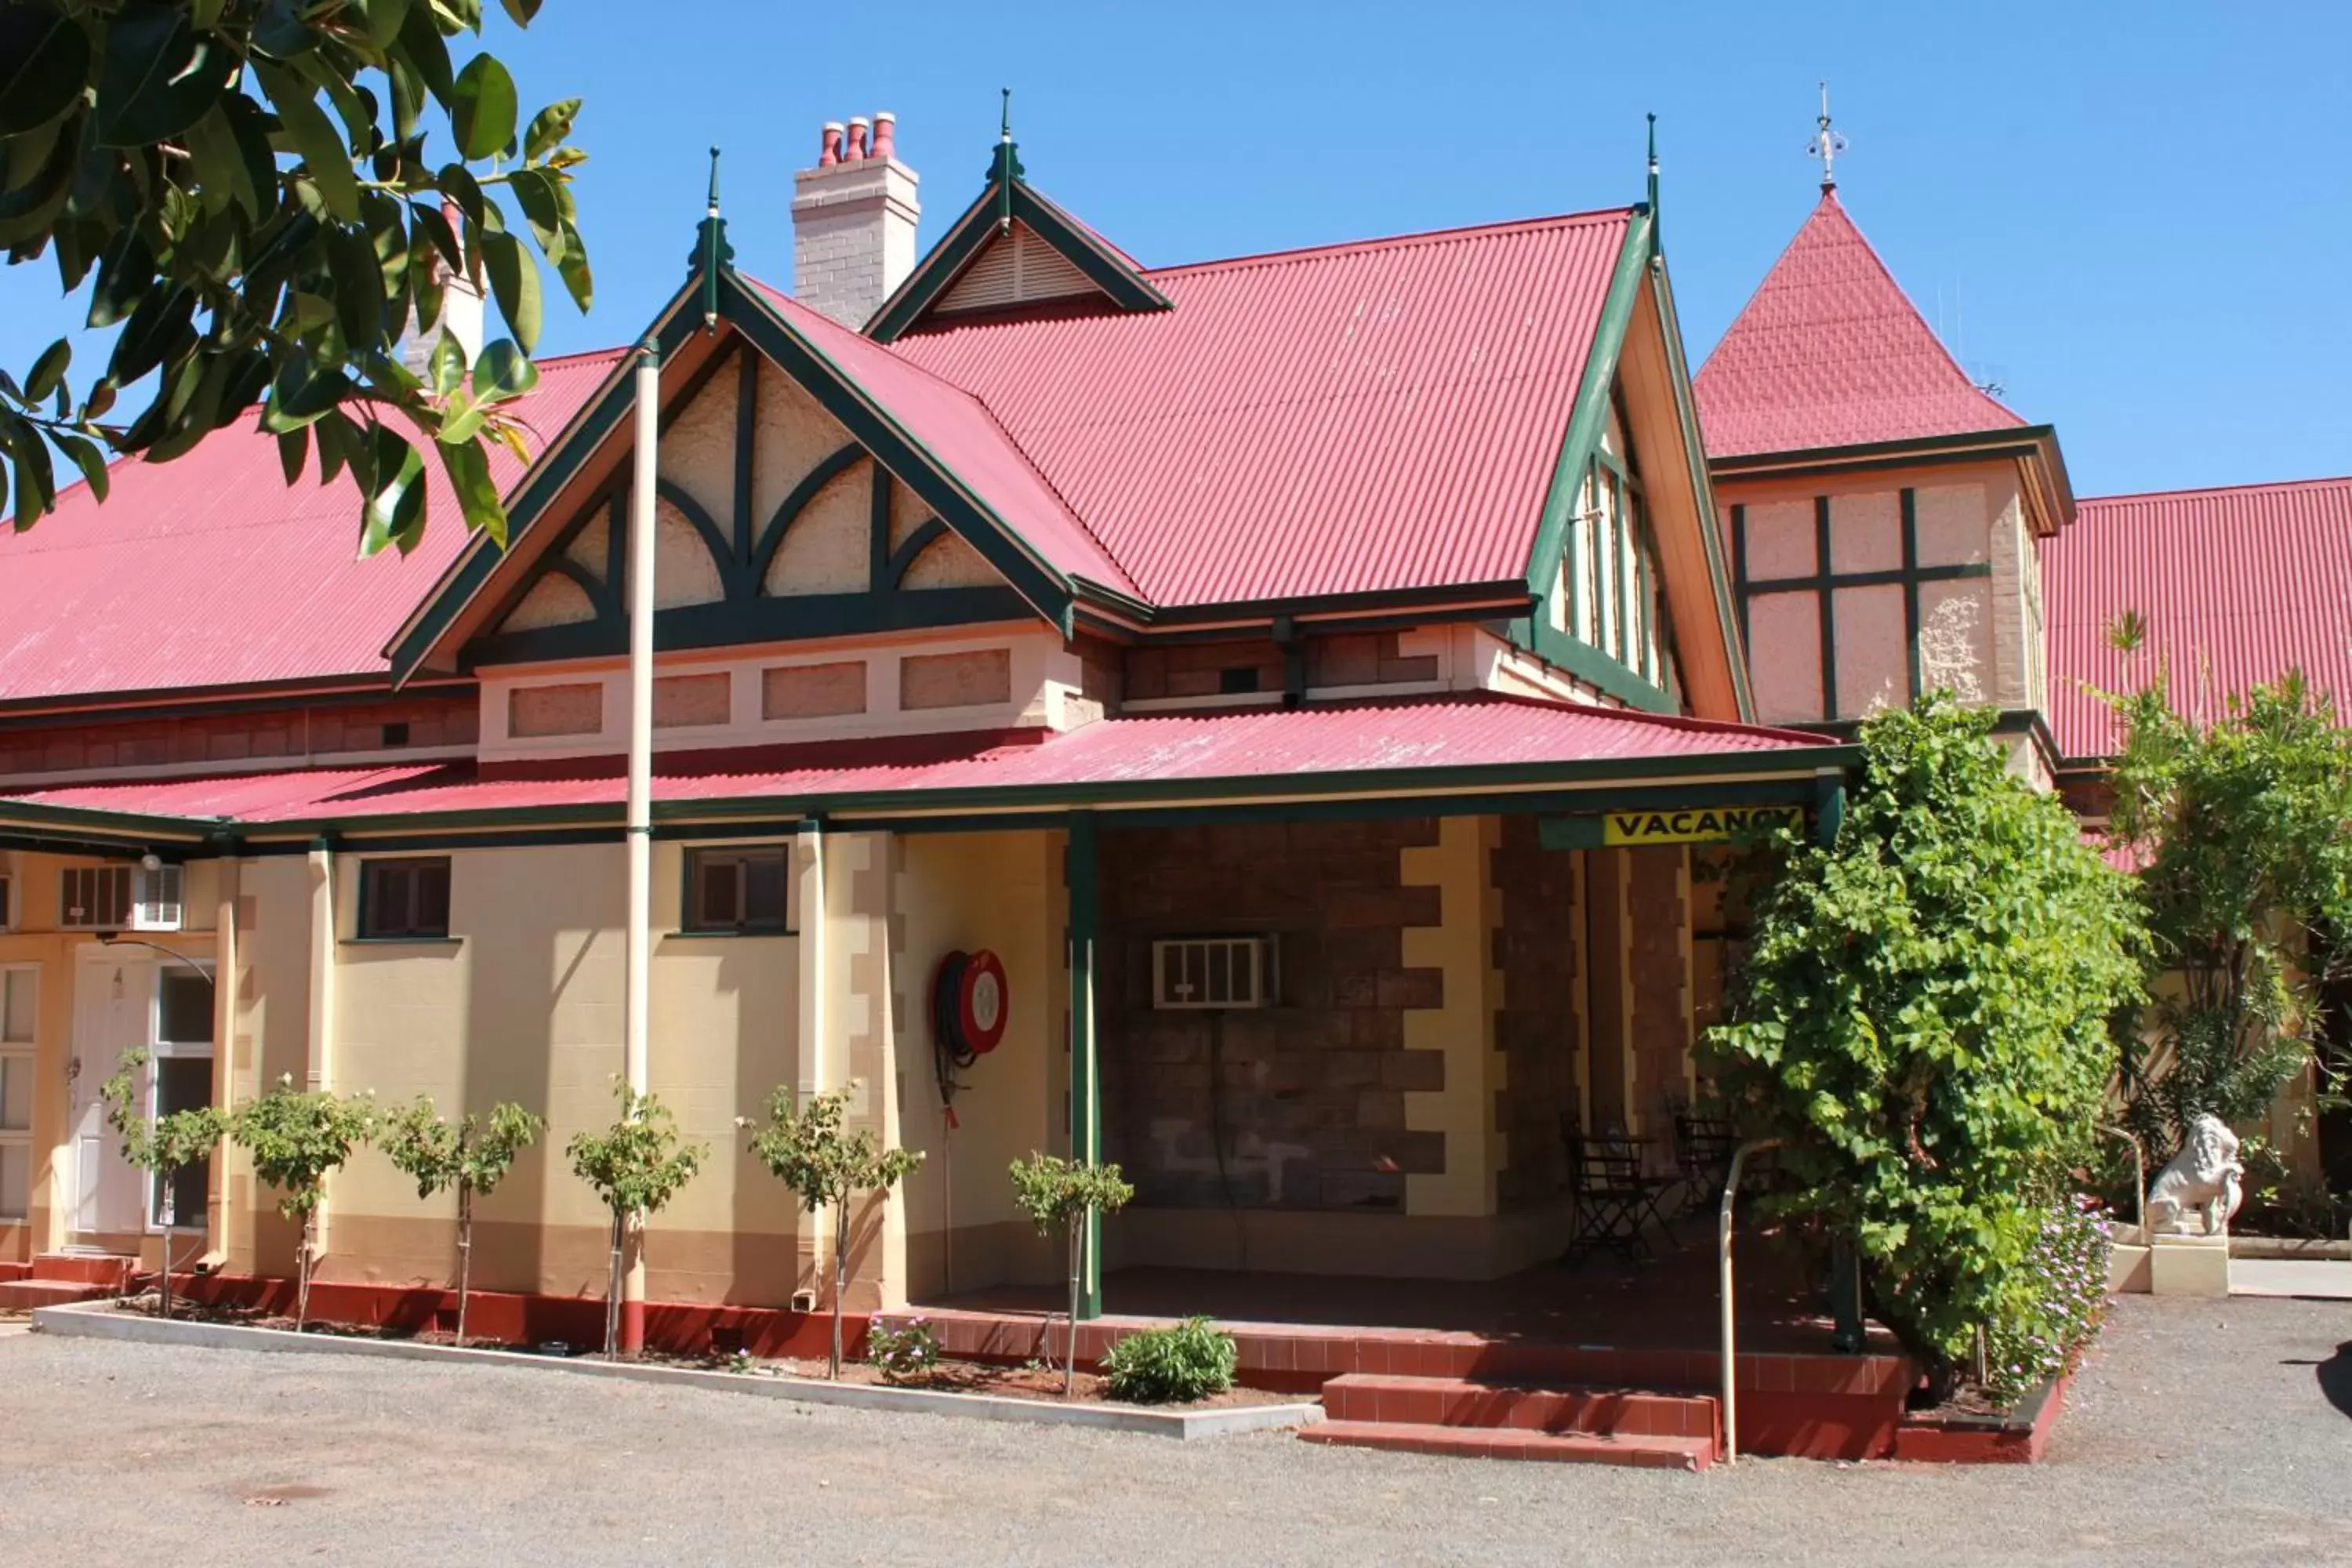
(1461, 947)
(524, 1004)
(956, 891)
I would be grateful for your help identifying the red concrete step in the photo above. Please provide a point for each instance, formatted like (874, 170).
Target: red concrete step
(1388, 1398)
(24, 1295)
(14, 1271)
(85, 1268)
(1645, 1452)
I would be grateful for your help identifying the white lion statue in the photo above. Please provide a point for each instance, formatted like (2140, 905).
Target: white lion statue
(2205, 1175)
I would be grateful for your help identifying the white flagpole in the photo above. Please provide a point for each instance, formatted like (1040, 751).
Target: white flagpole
(638, 1000)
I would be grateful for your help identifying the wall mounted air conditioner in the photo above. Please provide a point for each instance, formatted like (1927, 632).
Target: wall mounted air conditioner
(1200, 971)
(121, 898)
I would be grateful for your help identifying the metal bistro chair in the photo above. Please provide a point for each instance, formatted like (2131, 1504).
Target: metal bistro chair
(1615, 1199)
(1702, 1149)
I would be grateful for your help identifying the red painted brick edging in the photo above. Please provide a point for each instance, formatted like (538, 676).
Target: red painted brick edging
(675, 1328)
(1949, 1441)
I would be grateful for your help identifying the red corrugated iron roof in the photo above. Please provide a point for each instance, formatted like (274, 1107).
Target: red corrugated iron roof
(211, 571)
(961, 433)
(1256, 749)
(1348, 419)
(1829, 352)
(2237, 587)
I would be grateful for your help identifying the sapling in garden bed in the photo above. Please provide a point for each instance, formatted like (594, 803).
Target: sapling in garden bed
(297, 1138)
(472, 1155)
(808, 1147)
(1053, 1192)
(637, 1165)
(162, 1149)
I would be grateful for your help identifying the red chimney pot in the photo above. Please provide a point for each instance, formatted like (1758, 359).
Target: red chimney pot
(885, 134)
(854, 153)
(832, 152)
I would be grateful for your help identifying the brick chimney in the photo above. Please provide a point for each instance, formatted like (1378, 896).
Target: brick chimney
(854, 221)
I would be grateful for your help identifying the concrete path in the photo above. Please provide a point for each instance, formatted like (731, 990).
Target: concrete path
(2200, 1432)
(2318, 1279)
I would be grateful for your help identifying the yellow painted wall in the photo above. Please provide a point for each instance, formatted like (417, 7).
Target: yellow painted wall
(999, 891)
(1461, 947)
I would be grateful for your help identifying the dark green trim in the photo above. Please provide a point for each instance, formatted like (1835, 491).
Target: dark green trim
(986, 219)
(1589, 411)
(2024, 440)
(836, 463)
(1829, 809)
(1890, 577)
(400, 942)
(1828, 608)
(925, 534)
(784, 617)
(936, 484)
(1739, 567)
(1083, 877)
(747, 431)
(714, 540)
(1406, 607)
(109, 826)
(255, 697)
(542, 482)
(1719, 578)
(1910, 503)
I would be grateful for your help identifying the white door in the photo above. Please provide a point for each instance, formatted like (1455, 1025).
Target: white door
(113, 1004)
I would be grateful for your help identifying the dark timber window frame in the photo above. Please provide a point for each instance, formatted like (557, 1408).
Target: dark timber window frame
(405, 899)
(695, 915)
(1823, 583)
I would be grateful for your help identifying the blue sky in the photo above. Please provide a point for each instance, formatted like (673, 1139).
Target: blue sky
(2142, 230)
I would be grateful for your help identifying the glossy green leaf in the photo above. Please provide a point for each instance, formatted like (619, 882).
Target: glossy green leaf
(503, 373)
(49, 371)
(293, 450)
(314, 139)
(548, 129)
(483, 108)
(158, 77)
(477, 494)
(86, 456)
(447, 366)
(43, 65)
(521, 12)
(514, 279)
(395, 484)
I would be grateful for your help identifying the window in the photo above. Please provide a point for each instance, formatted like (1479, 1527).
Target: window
(95, 898)
(404, 900)
(19, 1003)
(119, 897)
(8, 903)
(182, 1080)
(738, 891)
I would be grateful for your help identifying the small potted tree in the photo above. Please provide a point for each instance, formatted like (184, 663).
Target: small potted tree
(297, 1138)
(162, 1148)
(825, 1165)
(472, 1155)
(1056, 1192)
(637, 1165)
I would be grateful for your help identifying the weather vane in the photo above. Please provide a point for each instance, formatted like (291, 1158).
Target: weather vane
(1826, 144)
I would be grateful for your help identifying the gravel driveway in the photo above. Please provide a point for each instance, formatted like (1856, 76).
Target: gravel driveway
(2201, 1432)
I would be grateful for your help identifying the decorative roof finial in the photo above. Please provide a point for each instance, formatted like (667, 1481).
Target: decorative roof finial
(1008, 166)
(1654, 168)
(1826, 144)
(712, 253)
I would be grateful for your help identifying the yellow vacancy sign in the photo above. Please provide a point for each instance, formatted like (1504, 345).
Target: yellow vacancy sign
(1699, 825)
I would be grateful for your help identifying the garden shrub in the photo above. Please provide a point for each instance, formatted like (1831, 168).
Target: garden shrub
(908, 1353)
(2239, 826)
(2058, 1299)
(1923, 1018)
(1175, 1365)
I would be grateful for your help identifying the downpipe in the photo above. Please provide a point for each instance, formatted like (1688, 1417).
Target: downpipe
(1730, 1313)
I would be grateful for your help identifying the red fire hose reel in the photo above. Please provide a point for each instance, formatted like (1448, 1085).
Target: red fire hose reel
(969, 1006)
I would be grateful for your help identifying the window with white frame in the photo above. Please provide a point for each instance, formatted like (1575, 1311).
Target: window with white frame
(119, 897)
(19, 1009)
(182, 1079)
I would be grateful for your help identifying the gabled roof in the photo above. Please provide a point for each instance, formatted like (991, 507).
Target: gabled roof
(211, 571)
(2236, 586)
(1357, 418)
(1433, 743)
(1829, 352)
(1008, 205)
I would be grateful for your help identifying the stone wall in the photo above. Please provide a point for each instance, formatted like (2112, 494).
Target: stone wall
(1538, 1029)
(1312, 1101)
